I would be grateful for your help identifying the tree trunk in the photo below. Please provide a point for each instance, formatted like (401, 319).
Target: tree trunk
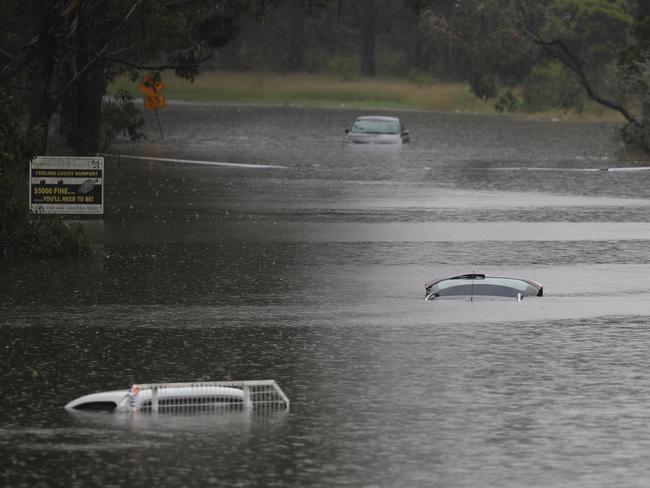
(40, 106)
(41, 70)
(368, 33)
(81, 111)
(421, 51)
(365, 16)
(296, 51)
(81, 108)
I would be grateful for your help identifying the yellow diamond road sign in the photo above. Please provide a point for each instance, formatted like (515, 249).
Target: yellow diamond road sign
(151, 90)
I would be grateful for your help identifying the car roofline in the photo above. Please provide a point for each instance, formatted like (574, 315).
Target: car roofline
(481, 276)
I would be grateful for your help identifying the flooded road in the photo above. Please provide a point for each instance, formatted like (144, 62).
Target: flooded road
(312, 273)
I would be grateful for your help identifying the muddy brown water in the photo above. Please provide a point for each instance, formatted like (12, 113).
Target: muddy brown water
(313, 275)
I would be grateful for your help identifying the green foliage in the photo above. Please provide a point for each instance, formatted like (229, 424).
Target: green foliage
(636, 139)
(599, 26)
(43, 237)
(345, 66)
(315, 60)
(20, 232)
(319, 33)
(392, 63)
(16, 148)
(641, 30)
(637, 83)
(507, 101)
(549, 86)
(221, 25)
(120, 117)
(484, 85)
(552, 54)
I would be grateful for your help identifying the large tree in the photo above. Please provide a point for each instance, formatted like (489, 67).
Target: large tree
(58, 56)
(63, 53)
(598, 49)
(371, 19)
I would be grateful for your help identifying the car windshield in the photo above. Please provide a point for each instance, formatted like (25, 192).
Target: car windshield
(376, 126)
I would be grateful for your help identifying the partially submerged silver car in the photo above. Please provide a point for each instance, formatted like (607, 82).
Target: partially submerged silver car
(378, 129)
(479, 285)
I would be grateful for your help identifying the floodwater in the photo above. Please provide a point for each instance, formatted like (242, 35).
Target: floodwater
(312, 273)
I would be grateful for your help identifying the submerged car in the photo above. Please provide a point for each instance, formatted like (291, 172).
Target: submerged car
(156, 397)
(479, 285)
(137, 398)
(378, 129)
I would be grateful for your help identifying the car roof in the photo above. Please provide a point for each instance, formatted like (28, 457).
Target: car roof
(378, 117)
(482, 285)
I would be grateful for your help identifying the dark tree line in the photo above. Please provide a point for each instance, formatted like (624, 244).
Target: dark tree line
(357, 37)
(526, 55)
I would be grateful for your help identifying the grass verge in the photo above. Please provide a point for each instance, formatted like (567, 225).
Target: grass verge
(331, 91)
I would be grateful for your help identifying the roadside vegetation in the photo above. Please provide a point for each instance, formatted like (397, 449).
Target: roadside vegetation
(21, 233)
(330, 90)
(318, 90)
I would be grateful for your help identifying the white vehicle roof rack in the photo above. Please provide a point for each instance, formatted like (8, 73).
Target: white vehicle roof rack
(198, 395)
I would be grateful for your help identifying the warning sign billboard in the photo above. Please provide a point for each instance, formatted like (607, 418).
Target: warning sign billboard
(66, 185)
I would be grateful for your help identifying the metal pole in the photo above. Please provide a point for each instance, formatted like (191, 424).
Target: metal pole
(247, 396)
(162, 136)
(154, 399)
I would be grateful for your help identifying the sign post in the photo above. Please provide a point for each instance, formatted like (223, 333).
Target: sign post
(66, 185)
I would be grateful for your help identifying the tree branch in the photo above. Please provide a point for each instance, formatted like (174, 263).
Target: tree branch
(17, 63)
(132, 64)
(560, 51)
(64, 91)
(7, 54)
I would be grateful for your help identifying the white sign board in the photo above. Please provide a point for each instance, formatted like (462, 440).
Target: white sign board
(66, 185)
